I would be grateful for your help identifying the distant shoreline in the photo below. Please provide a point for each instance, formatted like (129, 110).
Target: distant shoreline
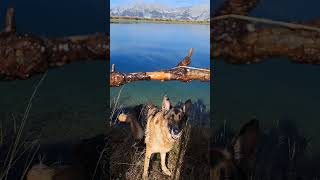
(124, 19)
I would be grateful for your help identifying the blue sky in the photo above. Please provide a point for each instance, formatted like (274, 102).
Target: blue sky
(171, 3)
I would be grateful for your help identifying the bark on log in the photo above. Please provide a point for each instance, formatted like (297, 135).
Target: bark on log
(242, 7)
(22, 55)
(240, 40)
(179, 73)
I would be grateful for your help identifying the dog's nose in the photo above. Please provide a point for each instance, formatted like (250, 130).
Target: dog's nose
(176, 131)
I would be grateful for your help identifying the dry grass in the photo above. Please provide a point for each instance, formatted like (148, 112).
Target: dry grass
(196, 157)
(127, 157)
(16, 144)
(188, 159)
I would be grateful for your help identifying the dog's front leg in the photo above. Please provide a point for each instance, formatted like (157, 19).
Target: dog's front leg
(146, 163)
(163, 164)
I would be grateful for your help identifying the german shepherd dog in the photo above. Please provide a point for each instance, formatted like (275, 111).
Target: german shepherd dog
(164, 128)
(236, 161)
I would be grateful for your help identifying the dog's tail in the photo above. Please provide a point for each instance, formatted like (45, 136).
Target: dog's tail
(136, 128)
(137, 117)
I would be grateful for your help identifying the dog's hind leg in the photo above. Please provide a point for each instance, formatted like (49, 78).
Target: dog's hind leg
(163, 164)
(146, 163)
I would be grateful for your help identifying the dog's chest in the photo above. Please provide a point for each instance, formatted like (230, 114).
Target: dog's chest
(157, 137)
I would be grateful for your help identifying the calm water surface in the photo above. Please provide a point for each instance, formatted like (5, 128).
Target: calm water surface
(150, 47)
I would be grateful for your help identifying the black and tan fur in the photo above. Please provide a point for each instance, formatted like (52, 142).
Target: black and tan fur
(164, 128)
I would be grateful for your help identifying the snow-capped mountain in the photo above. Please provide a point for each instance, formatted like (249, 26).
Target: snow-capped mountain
(155, 10)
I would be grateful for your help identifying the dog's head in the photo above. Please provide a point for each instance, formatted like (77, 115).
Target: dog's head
(176, 117)
(237, 160)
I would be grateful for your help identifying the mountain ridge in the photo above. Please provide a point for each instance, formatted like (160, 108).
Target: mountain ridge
(199, 12)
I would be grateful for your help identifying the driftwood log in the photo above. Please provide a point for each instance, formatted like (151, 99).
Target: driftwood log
(22, 55)
(182, 72)
(240, 39)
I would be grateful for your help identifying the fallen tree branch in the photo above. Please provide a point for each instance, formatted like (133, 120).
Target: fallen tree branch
(239, 39)
(179, 73)
(22, 55)
(267, 21)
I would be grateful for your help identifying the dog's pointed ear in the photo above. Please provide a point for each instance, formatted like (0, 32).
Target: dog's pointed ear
(187, 106)
(166, 105)
(244, 145)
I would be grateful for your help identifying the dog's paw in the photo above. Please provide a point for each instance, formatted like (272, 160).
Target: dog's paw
(166, 172)
(145, 176)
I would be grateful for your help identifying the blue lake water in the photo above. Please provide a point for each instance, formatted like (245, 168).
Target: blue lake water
(137, 47)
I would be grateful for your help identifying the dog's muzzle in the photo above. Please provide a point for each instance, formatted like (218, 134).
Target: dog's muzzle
(175, 134)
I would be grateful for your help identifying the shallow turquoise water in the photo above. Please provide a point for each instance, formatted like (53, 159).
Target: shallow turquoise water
(70, 103)
(149, 47)
(69, 88)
